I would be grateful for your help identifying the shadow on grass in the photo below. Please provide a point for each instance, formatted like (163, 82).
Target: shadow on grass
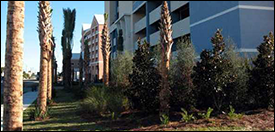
(65, 115)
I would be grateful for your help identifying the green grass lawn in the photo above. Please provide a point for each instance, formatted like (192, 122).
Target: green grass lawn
(63, 116)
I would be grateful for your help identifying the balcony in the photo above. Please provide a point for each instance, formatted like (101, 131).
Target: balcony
(177, 4)
(181, 28)
(137, 4)
(155, 38)
(141, 24)
(155, 15)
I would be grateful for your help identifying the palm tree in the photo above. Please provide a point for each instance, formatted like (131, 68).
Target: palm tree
(54, 62)
(86, 64)
(106, 51)
(67, 44)
(45, 34)
(13, 84)
(50, 69)
(166, 46)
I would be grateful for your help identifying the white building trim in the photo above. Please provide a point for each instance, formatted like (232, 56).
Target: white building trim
(230, 10)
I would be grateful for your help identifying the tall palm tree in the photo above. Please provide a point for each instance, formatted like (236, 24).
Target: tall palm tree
(86, 63)
(45, 34)
(13, 84)
(67, 44)
(166, 46)
(50, 68)
(106, 51)
(54, 65)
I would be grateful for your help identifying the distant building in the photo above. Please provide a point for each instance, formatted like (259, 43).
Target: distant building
(75, 66)
(92, 34)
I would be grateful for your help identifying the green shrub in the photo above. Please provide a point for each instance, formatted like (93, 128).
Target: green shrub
(215, 78)
(144, 89)
(36, 114)
(79, 92)
(236, 92)
(104, 101)
(121, 67)
(262, 79)
(232, 115)
(164, 120)
(206, 115)
(181, 80)
(186, 117)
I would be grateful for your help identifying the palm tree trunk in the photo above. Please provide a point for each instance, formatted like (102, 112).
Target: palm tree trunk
(106, 52)
(13, 84)
(166, 44)
(45, 34)
(49, 92)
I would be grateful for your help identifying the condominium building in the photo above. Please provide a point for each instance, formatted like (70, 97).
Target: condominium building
(91, 34)
(245, 22)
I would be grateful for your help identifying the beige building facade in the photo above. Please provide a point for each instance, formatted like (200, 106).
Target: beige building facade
(92, 34)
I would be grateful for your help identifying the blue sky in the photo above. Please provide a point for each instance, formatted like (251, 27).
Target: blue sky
(84, 14)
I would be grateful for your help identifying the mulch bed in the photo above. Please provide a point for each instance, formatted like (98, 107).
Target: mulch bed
(137, 121)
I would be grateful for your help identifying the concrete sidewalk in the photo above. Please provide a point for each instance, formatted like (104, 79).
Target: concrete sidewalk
(28, 99)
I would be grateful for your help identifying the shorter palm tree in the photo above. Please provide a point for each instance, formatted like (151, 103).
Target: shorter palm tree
(106, 51)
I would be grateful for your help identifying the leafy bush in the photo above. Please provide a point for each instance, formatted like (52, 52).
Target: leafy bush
(104, 101)
(262, 79)
(206, 115)
(236, 91)
(164, 119)
(186, 117)
(232, 115)
(214, 76)
(181, 70)
(121, 67)
(144, 89)
(36, 114)
(79, 92)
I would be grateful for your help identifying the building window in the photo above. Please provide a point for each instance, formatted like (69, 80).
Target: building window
(72, 64)
(181, 13)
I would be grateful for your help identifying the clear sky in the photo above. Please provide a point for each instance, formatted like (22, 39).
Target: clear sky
(84, 14)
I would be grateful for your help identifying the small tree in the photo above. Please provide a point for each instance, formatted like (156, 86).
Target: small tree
(236, 92)
(144, 81)
(86, 64)
(120, 69)
(212, 76)
(262, 80)
(181, 71)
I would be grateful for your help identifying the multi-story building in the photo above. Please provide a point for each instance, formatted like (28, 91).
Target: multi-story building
(91, 33)
(244, 22)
